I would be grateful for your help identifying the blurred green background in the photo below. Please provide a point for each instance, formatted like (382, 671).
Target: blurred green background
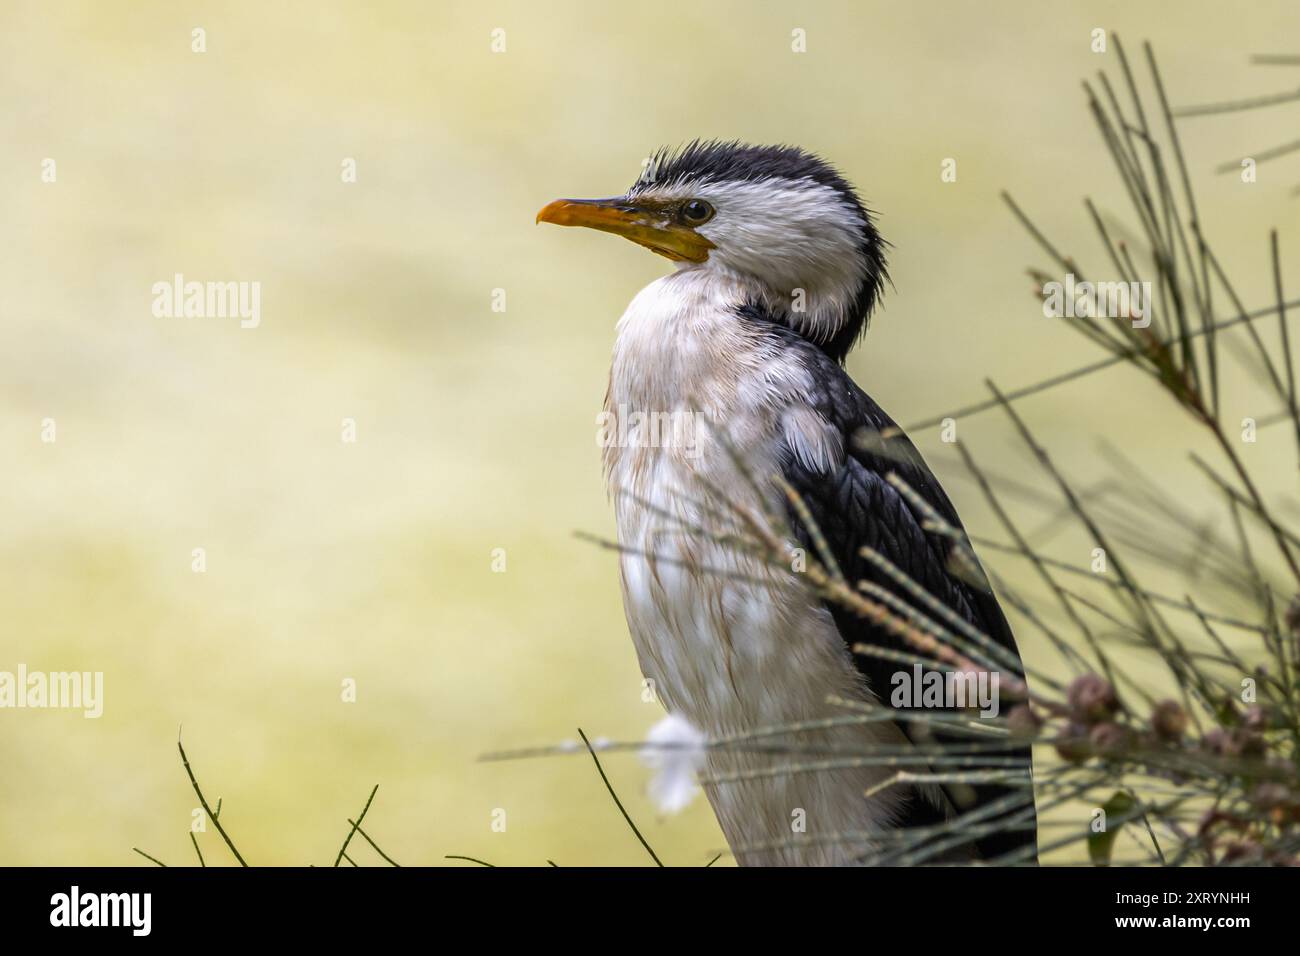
(475, 429)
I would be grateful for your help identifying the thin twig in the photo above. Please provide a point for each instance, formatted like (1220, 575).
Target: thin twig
(356, 826)
(617, 802)
(204, 803)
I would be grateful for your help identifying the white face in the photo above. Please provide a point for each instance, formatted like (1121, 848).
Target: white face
(801, 240)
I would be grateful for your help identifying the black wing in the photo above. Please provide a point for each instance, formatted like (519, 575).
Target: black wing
(853, 505)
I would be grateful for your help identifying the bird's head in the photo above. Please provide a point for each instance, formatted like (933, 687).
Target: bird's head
(778, 216)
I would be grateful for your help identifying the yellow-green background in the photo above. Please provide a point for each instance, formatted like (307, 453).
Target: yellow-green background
(476, 429)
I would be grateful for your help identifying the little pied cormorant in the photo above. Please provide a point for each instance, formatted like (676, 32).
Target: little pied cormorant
(779, 266)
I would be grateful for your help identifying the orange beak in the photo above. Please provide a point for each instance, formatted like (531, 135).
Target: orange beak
(644, 224)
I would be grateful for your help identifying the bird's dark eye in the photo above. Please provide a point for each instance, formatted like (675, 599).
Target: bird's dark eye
(697, 212)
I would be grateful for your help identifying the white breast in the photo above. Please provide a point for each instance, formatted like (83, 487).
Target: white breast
(731, 645)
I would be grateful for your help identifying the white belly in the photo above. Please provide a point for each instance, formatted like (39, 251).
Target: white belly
(736, 657)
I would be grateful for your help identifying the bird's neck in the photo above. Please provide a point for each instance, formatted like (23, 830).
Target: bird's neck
(685, 359)
(678, 343)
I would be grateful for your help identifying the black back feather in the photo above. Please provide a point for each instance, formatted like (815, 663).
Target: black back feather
(855, 506)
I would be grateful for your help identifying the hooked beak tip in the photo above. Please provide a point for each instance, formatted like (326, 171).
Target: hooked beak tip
(554, 212)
